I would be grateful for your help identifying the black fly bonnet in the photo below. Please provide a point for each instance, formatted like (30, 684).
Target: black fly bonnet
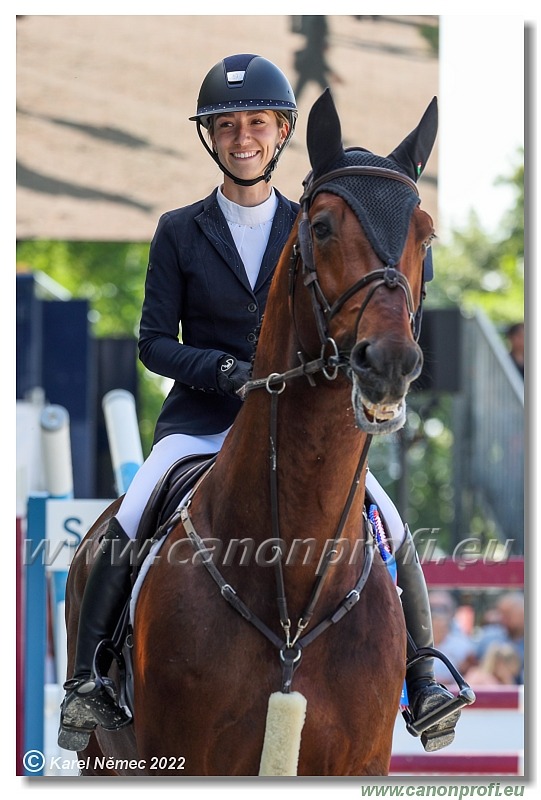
(382, 206)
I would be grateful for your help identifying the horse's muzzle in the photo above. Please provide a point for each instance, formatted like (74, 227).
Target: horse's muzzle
(385, 369)
(382, 373)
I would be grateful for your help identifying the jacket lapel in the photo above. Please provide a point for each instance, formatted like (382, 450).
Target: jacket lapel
(214, 225)
(281, 228)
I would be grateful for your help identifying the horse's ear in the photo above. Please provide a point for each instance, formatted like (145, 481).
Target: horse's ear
(412, 154)
(323, 134)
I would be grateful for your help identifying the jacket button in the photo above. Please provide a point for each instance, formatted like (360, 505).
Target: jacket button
(252, 308)
(251, 337)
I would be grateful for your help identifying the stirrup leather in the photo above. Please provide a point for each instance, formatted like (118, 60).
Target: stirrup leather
(110, 705)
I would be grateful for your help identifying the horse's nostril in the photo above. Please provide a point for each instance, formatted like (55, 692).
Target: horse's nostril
(360, 356)
(370, 360)
(418, 363)
(412, 362)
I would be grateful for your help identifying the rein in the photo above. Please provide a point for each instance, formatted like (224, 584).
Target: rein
(308, 613)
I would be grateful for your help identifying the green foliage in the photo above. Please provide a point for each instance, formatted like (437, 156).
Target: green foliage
(476, 270)
(415, 466)
(110, 275)
(431, 34)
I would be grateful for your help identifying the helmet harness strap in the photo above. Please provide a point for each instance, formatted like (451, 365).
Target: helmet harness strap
(269, 169)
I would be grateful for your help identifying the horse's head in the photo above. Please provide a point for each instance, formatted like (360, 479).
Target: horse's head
(363, 241)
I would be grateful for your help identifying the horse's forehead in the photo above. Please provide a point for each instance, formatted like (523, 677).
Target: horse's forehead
(382, 206)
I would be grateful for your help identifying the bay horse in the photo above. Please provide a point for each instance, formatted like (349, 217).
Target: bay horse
(305, 606)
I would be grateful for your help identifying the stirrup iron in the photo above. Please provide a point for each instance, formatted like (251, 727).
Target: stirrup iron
(465, 696)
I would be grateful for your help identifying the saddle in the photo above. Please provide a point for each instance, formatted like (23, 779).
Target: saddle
(172, 487)
(155, 523)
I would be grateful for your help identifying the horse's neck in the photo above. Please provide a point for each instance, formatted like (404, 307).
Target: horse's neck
(316, 443)
(317, 451)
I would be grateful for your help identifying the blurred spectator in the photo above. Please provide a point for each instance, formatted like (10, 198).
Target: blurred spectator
(449, 636)
(515, 339)
(507, 626)
(500, 666)
(310, 62)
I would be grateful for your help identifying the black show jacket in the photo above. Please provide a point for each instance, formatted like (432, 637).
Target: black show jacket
(196, 290)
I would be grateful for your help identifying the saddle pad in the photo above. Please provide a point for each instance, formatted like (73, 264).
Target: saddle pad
(141, 575)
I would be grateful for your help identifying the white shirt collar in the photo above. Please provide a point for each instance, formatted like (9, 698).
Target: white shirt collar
(248, 215)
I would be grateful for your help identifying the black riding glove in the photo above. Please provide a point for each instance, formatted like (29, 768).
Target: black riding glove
(232, 374)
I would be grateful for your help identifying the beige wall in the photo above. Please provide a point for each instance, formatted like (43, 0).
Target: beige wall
(104, 145)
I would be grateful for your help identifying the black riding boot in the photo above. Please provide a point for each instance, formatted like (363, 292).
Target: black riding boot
(91, 700)
(425, 694)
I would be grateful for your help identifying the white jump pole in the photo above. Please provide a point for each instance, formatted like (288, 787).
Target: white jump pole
(58, 474)
(56, 450)
(123, 434)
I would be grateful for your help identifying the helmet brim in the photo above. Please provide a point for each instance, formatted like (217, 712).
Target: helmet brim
(204, 114)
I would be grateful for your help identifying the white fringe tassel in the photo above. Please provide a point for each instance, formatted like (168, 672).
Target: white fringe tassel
(282, 743)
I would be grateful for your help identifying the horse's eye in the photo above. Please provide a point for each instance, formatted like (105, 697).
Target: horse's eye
(427, 244)
(321, 230)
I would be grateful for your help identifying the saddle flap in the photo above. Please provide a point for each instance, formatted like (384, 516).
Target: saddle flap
(174, 484)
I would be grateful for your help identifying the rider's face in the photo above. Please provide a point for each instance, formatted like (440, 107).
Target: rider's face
(246, 141)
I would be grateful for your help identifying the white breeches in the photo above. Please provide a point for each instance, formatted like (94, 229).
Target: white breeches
(163, 455)
(388, 511)
(169, 449)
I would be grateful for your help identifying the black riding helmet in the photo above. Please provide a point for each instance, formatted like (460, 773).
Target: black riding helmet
(239, 83)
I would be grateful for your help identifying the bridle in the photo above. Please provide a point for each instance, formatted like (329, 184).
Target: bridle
(331, 359)
(328, 364)
(387, 276)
